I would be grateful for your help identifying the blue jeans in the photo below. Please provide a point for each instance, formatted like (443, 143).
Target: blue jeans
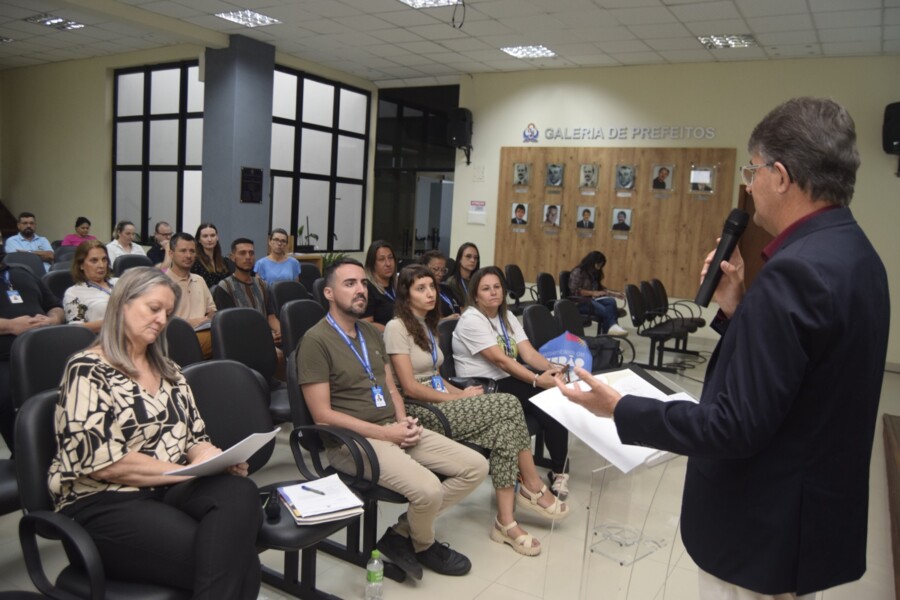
(604, 309)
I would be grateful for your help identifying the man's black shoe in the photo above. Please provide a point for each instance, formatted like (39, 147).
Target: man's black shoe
(399, 551)
(440, 558)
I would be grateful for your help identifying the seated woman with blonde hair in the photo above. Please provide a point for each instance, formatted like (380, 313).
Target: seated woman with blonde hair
(493, 421)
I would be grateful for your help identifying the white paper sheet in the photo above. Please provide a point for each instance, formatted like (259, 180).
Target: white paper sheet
(238, 453)
(599, 432)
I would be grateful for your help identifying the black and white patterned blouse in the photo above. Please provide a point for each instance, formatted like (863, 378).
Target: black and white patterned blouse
(103, 414)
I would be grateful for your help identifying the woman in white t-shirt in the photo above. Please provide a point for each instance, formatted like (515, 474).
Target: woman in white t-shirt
(486, 343)
(493, 421)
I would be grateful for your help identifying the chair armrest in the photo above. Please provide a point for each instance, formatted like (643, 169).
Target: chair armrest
(354, 444)
(79, 547)
(438, 414)
(489, 385)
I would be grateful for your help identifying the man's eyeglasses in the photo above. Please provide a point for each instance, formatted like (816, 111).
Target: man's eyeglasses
(278, 241)
(748, 172)
(441, 271)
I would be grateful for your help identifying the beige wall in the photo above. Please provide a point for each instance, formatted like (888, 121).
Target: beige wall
(731, 97)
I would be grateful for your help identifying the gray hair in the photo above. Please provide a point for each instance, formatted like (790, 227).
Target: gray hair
(815, 140)
(134, 283)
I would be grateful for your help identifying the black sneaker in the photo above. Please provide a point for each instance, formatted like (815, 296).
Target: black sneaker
(440, 558)
(399, 550)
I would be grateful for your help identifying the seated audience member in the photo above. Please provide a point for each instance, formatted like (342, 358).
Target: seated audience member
(162, 233)
(27, 304)
(85, 302)
(126, 417)
(592, 297)
(348, 383)
(210, 264)
(493, 421)
(437, 264)
(247, 289)
(197, 306)
(381, 267)
(123, 242)
(468, 260)
(82, 233)
(277, 265)
(487, 342)
(28, 241)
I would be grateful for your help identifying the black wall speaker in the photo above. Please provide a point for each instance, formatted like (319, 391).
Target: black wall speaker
(459, 127)
(890, 132)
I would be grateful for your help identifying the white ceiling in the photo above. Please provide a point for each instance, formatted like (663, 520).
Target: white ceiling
(388, 43)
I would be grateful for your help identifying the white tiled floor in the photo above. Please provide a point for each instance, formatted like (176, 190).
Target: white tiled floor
(499, 573)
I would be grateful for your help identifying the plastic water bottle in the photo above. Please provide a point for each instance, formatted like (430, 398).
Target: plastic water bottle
(375, 577)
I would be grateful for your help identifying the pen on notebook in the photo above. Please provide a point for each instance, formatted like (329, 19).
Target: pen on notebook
(313, 490)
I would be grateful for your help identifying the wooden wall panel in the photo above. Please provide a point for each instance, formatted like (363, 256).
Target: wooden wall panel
(672, 230)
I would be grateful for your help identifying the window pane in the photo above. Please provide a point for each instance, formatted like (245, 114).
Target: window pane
(284, 96)
(351, 155)
(131, 95)
(164, 142)
(315, 152)
(129, 138)
(282, 147)
(195, 90)
(282, 188)
(165, 88)
(353, 111)
(128, 199)
(313, 209)
(318, 103)
(190, 208)
(348, 216)
(193, 155)
(162, 198)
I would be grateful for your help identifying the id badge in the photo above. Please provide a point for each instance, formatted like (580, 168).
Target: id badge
(14, 296)
(437, 383)
(378, 396)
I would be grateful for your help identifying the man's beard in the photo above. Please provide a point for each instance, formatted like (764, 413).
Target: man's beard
(351, 311)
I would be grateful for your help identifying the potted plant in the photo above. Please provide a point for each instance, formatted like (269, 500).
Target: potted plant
(304, 234)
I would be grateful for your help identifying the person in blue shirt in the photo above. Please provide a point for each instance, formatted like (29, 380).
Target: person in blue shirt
(28, 241)
(278, 265)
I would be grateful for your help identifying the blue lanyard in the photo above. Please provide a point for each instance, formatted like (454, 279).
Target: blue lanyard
(446, 299)
(390, 294)
(6, 279)
(505, 337)
(465, 287)
(434, 350)
(102, 289)
(364, 358)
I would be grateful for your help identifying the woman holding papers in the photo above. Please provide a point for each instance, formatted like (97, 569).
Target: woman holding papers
(493, 421)
(125, 418)
(487, 343)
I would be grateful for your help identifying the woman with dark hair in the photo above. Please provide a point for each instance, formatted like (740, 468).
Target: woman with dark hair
(437, 264)
(487, 342)
(126, 417)
(123, 242)
(468, 260)
(85, 302)
(277, 265)
(82, 233)
(381, 267)
(210, 264)
(592, 297)
(493, 421)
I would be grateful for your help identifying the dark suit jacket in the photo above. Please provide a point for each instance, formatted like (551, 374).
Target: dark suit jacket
(583, 225)
(776, 491)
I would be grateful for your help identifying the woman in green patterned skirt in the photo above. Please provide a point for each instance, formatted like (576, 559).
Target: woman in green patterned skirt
(493, 421)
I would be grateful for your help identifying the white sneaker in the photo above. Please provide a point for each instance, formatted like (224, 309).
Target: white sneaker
(617, 331)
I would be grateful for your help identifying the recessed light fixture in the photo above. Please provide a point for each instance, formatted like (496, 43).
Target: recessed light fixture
(248, 18)
(529, 51)
(429, 3)
(719, 42)
(54, 22)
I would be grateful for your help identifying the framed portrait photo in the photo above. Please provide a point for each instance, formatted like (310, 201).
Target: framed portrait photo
(625, 174)
(621, 219)
(588, 175)
(519, 214)
(663, 177)
(551, 215)
(554, 175)
(586, 217)
(703, 180)
(521, 173)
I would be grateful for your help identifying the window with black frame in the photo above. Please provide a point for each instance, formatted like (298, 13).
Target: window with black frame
(158, 146)
(320, 138)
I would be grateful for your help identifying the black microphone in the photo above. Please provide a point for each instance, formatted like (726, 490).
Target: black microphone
(731, 233)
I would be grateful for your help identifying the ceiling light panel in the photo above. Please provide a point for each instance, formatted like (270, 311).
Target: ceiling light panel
(429, 3)
(248, 18)
(529, 51)
(725, 41)
(54, 22)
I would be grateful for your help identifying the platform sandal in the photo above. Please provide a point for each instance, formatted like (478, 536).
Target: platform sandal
(524, 544)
